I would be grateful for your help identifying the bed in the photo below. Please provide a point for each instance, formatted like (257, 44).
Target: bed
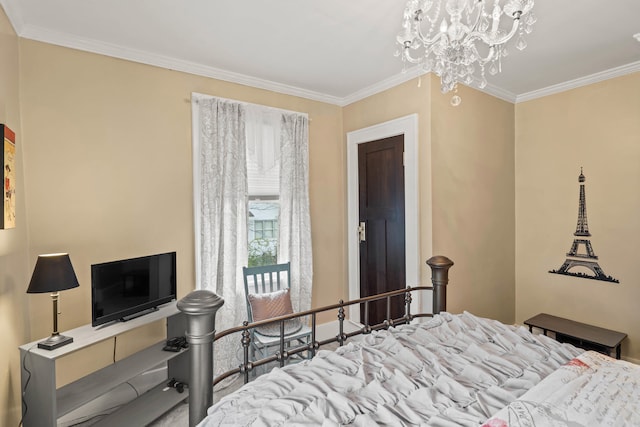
(438, 370)
(590, 390)
(449, 370)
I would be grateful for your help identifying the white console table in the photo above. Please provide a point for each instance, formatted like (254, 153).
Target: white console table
(46, 403)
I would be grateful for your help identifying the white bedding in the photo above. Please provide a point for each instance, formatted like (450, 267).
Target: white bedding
(452, 370)
(590, 390)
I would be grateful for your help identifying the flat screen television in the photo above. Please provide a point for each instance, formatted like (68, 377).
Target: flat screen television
(124, 289)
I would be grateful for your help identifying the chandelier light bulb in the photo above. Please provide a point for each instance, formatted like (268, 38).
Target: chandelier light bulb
(443, 26)
(463, 37)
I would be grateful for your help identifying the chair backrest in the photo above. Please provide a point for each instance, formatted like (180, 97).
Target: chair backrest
(265, 279)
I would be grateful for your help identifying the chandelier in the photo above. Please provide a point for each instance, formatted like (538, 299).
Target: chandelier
(463, 38)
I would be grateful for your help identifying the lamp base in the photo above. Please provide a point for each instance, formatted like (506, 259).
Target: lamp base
(55, 341)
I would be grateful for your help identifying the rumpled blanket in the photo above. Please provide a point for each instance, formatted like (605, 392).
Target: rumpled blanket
(590, 390)
(451, 370)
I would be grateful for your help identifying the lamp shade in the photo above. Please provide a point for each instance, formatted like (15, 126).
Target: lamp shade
(52, 273)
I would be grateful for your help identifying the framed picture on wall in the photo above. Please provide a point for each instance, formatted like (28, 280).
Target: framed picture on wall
(8, 218)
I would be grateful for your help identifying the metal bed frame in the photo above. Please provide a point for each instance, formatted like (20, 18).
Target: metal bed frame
(200, 308)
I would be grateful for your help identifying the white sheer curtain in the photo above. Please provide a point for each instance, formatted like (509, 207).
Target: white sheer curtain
(263, 136)
(221, 193)
(221, 133)
(295, 221)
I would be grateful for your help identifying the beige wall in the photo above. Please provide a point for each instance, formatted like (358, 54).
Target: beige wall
(109, 154)
(596, 127)
(473, 198)
(14, 316)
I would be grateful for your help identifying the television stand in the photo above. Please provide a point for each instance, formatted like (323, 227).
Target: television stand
(138, 314)
(45, 402)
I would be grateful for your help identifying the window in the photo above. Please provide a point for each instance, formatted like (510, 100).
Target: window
(263, 232)
(263, 176)
(266, 229)
(218, 128)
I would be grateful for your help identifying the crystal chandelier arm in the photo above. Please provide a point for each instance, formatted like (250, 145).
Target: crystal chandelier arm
(473, 32)
(489, 57)
(418, 30)
(493, 42)
(426, 41)
(406, 55)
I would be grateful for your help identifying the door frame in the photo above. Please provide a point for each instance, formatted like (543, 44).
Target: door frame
(407, 126)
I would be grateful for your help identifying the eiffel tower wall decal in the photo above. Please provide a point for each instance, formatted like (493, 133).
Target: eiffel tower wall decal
(586, 258)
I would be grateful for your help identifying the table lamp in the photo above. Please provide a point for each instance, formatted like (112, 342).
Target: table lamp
(53, 273)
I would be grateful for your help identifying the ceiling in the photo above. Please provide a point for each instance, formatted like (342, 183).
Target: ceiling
(335, 51)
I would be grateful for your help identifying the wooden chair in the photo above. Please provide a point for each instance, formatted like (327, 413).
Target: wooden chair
(266, 284)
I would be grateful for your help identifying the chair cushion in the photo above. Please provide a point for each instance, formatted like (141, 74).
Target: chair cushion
(291, 326)
(270, 305)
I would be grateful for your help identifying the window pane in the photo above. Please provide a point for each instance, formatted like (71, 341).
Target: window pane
(263, 175)
(263, 232)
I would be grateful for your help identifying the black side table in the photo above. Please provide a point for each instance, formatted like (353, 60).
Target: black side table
(581, 335)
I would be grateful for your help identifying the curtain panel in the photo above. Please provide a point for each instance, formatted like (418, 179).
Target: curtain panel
(294, 243)
(222, 131)
(222, 215)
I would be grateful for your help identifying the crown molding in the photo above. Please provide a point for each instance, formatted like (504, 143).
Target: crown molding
(383, 85)
(412, 73)
(121, 52)
(497, 92)
(582, 81)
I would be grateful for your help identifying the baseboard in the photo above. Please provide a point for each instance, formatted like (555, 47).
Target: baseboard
(331, 329)
(631, 360)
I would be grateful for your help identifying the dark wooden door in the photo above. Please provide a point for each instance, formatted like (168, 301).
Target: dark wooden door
(381, 203)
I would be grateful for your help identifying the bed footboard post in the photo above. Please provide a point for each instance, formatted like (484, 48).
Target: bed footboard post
(439, 277)
(200, 307)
